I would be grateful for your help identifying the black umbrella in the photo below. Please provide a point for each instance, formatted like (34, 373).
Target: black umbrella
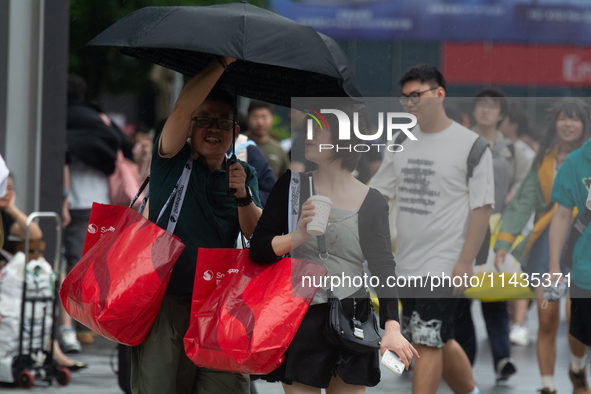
(277, 57)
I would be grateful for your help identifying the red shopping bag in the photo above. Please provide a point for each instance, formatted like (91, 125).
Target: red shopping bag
(250, 317)
(118, 285)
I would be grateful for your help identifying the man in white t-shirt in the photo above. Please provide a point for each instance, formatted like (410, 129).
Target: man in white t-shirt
(442, 217)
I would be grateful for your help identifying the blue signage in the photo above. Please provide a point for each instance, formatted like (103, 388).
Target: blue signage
(530, 21)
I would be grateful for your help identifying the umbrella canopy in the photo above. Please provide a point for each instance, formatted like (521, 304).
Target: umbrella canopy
(277, 57)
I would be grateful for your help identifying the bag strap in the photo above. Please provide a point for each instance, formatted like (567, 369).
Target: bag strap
(139, 193)
(400, 138)
(475, 155)
(179, 191)
(293, 203)
(181, 185)
(577, 229)
(583, 221)
(322, 248)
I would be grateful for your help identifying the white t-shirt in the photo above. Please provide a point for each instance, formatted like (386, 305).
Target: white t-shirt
(87, 185)
(428, 180)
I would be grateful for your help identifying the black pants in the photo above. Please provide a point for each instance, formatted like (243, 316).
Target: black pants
(496, 317)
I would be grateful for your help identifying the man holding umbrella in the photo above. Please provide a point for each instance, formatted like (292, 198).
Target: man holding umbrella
(209, 218)
(277, 59)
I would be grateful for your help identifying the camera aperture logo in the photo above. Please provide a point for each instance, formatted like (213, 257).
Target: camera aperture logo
(345, 130)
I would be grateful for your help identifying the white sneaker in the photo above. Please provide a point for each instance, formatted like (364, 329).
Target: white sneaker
(519, 335)
(69, 343)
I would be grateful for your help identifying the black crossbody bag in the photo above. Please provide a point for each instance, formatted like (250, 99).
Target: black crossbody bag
(346, 333)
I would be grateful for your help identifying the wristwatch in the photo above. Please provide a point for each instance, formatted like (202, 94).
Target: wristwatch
(243, 202)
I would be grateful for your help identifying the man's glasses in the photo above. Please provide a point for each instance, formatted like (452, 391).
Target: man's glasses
(205, 122)
(415, 97)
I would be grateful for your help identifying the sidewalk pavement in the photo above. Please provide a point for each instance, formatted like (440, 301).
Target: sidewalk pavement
(100, 379)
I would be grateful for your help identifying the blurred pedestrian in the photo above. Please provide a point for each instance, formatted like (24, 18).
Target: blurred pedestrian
(91, 154)
(297, 154)
(142, 153)
(517, 125)
(510, 165)
(13, 219)
(572, 188)
(14, 223)
(569, 126)
(260, 121)
(489, 109)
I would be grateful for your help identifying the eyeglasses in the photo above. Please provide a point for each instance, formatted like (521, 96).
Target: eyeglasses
(205, 122)
(415, 97)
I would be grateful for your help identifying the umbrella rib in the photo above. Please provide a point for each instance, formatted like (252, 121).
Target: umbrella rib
(244, 31)
(156, 24)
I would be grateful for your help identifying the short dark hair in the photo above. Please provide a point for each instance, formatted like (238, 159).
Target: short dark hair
(517, 113)
(425, 73)
(224, 96)
(76, 89)
(255, 104)
(496, 95)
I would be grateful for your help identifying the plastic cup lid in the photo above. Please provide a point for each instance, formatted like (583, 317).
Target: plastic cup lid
(320, 198)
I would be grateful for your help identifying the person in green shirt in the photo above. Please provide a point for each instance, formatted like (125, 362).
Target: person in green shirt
(200, 127)
(260, 121)
(570, 191)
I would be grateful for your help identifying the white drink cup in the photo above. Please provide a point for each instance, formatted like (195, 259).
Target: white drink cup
(322, 207)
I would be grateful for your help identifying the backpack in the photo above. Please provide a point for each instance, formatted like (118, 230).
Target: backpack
(474, 157)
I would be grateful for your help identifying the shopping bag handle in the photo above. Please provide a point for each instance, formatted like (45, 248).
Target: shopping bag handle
(181, 187)
(139, 193)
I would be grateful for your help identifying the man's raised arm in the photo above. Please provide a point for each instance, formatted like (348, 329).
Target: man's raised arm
(176, 129)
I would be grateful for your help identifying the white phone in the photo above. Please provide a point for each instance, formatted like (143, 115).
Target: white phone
(393, 362)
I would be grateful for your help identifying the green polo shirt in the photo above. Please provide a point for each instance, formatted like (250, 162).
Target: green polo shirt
(208, 217)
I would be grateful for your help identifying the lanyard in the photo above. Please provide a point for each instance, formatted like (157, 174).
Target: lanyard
(180, 189)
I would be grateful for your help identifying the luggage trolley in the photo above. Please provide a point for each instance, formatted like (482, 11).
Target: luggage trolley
(24, 368)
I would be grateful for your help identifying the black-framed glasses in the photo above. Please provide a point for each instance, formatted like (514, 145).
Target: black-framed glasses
(415, 97)
(205, 122)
